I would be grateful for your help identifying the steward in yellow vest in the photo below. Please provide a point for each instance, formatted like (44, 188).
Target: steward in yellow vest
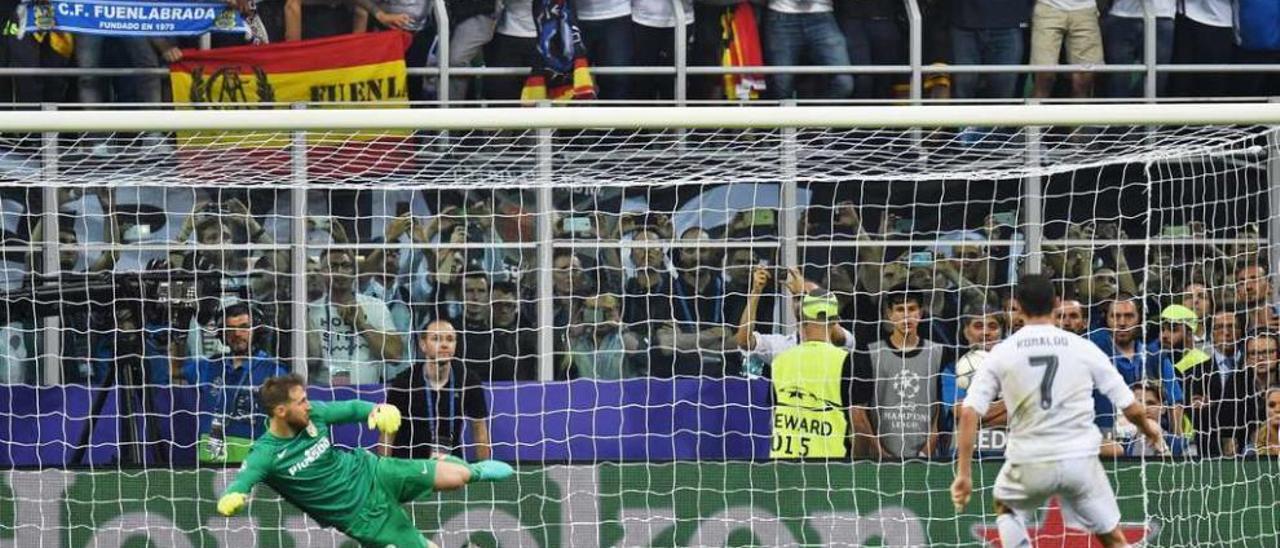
(816, 388)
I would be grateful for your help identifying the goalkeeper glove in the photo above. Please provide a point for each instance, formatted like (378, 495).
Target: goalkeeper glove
(230, 504)
(386, 418)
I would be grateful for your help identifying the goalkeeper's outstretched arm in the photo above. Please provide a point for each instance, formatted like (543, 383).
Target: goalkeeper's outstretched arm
(253, 471)
(342, 412)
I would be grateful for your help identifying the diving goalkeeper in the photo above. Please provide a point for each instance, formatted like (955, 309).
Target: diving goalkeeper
(355, 492)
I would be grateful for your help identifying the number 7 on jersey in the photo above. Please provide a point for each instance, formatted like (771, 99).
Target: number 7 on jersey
(1050, 365)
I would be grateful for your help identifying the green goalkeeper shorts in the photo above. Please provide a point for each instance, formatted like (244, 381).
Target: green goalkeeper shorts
(383, 521)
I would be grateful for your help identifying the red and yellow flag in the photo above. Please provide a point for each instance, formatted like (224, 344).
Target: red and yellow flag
(351, 71)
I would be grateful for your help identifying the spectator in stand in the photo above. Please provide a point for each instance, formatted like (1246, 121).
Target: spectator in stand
(988, 32)
(321, 18)
(1240, 411)
(907, 411)
(948, 290)
(229, 415)
(874, 35)
(763, 347)
(1197, 297)
(1253, 289)
(983, 327)
(699, 333)
(1124, 441)
(475, 345)
(385, 282)
(471, 26)
(32, 50)
(1207, 384)
(439, 399)
(1134, 360)
(514, 344)
(141, 53)
(1267, 441)
(653, 29)
(609, 36)
(599, 346)
(1204, 34)
(1072, 317)
(1013, 313)
(447, 265)
(739, 268)
(646, 305)
(569, 285)
(351, 335)
(514, 43)
(1177, 343)
(407, 15)
(1122, 36)
(1178, 351)
(1098, 286)
(1070, 23)
(800, 30)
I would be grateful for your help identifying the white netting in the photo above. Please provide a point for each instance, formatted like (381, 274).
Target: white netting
(598, 281)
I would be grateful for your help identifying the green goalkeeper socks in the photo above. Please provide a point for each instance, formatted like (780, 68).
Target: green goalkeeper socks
(491, 470)
(485, 470)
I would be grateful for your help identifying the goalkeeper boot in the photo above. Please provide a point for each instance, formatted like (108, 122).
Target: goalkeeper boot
(491, 470)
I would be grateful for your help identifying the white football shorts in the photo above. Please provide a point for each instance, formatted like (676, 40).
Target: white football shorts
(1087, 500)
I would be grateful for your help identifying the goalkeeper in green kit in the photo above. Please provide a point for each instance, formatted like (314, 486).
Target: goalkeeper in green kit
(356, 492)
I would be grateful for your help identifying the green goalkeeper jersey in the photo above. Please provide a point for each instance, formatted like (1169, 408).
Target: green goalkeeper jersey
(330, 485)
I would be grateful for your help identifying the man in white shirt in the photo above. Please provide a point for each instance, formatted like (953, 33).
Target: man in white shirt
(1069, 23)
(1047, 376)
(1122, 38)
(755, 345)
(352, 334)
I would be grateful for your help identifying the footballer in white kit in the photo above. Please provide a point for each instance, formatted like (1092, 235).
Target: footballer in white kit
(1046, 376)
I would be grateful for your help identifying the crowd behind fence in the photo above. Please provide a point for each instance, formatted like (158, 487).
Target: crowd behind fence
(467, 51)
(162, 286)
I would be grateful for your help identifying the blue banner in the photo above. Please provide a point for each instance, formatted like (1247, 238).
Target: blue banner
(582, 421)
(126, 18)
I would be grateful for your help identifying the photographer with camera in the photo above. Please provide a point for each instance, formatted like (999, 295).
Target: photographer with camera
(230, 418)
(221, 228)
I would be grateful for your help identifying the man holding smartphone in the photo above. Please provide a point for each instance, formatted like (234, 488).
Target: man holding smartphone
(759, 349)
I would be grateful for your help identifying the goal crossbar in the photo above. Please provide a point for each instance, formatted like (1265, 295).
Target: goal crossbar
(516, 118)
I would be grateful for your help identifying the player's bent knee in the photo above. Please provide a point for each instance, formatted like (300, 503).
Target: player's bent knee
(451, 476)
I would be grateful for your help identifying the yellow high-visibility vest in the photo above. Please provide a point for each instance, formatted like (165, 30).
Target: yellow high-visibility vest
(809, 412)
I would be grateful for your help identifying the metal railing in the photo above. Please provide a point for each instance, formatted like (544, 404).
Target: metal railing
(916, 68)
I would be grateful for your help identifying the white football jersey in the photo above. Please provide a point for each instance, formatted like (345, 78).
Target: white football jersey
(1047, 376)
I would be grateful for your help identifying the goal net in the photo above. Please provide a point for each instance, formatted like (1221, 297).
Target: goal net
(620, 283)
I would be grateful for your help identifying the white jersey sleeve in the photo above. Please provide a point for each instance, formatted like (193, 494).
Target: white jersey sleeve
(985, 386)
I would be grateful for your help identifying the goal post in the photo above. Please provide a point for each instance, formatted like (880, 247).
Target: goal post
(597, 264)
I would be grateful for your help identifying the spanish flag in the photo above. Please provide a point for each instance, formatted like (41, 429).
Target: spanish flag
(740, 47)
(350, 71)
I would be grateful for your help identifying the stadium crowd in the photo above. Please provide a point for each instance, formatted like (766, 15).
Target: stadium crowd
(615, 33)
(1193, 327)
